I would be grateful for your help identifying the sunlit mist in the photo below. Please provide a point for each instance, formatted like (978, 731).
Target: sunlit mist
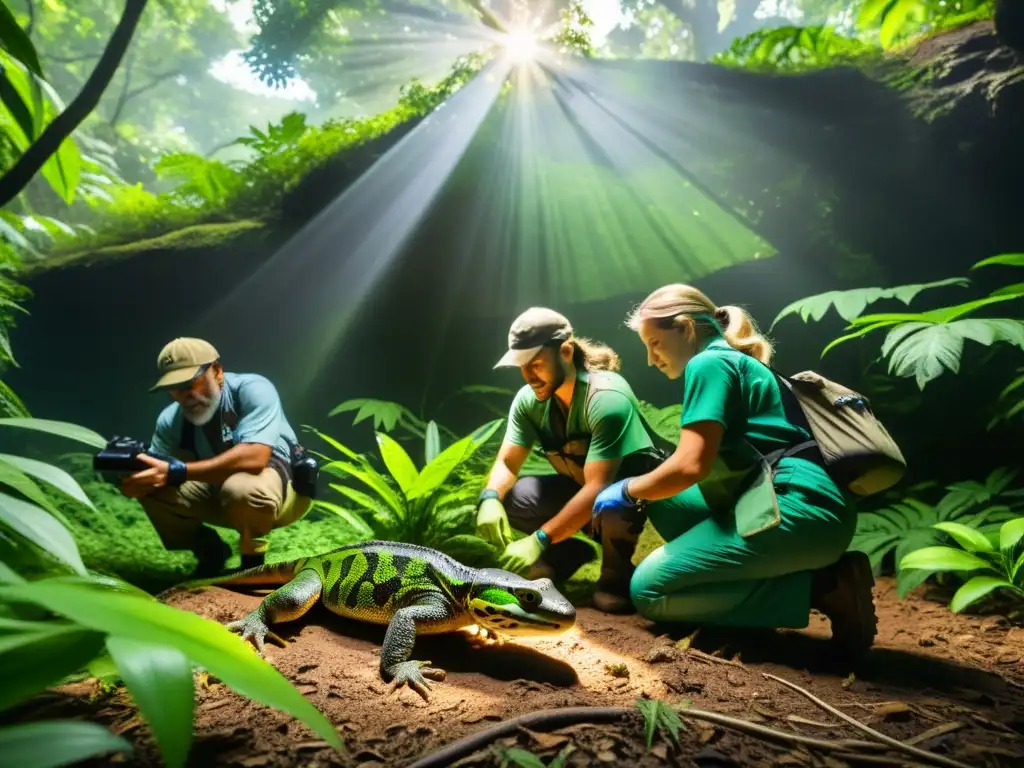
(549, 178)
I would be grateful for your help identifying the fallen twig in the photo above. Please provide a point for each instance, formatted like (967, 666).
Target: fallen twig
(708, 657)
(881, 737)
(556, 718)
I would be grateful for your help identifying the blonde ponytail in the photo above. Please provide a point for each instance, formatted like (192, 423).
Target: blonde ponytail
(677, 304)
(741, 332)
(594, 356)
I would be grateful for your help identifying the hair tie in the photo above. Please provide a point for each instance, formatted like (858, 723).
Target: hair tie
(722, 315)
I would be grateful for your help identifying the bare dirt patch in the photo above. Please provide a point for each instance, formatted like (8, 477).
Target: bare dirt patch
(953, 685)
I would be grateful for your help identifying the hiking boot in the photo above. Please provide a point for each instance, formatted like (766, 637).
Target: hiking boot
(613, 602)
(211, 552)
(842, 591)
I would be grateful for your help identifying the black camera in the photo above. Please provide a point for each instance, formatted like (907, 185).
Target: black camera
(305, 472)
(119, 456)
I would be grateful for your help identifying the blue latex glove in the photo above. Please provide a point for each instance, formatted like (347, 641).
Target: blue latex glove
(613, 498)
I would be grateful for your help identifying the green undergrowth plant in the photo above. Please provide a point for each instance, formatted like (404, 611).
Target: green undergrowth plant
(203, 190)
(407, 426)
(993, 561)
(432, 506)
(59, 621)
(517, 756)
(914, 521)
(921, 345)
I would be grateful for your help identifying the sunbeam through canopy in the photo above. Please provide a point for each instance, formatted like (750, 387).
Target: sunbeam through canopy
(548, 179)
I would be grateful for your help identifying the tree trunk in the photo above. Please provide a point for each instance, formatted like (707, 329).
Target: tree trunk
(28, 165)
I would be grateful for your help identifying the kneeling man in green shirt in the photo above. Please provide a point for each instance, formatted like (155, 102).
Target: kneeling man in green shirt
(587, 421)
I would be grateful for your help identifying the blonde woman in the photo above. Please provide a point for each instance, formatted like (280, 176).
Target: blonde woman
(752, 539)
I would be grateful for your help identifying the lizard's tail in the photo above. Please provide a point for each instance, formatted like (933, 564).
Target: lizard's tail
(273, 574)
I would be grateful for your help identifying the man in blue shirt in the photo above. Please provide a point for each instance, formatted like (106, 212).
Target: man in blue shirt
(232, 449)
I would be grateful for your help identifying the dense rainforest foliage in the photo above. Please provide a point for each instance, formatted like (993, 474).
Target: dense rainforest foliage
(170, 145)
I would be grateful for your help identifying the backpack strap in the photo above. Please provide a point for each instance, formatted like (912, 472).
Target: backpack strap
(794, 412)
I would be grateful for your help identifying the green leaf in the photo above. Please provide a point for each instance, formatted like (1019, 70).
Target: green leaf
(436, 472)
(975, 589)
(59, 428)
(432, 443)
(849, 304)
(397, 461)
(48, 473)
(926, 352)
(57, 743)
(41, 656)
(909, 579)
(16, 42)
(966, 537)
(8, 575)
(856, 334)
(41, 529)
(1009, 291)
(1005, 259)
(385, 414)
(1010, 534)
(14, 478)
(159, 679)
(522, 758)
(370, 478)
(204, 642)
(943, 559)
(895, 21)
(353, 520)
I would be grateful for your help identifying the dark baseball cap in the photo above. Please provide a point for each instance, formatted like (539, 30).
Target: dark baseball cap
(530, 332)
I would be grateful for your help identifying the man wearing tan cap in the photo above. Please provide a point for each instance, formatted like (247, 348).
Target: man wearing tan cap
(587, 421)
(232, 459)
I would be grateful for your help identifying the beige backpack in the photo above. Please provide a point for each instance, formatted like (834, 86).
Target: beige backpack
(858, 452)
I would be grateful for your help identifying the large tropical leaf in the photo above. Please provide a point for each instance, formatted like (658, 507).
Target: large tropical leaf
(975, 589)
(397, 461)
(159, 679)
(42, 529)
(1005, 259)
(59, 428)
(849, 304)
(924, 351)
(48, 473)
(13, 477)
(385, 414)
(205, 642)
(37, 654)
(370, 478)
(16, 42)
(943, 559)
(57, 743)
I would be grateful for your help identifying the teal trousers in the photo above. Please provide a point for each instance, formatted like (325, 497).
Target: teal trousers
(708, 574)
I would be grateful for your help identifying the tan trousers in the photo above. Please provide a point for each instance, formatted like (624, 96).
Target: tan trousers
(251, 504)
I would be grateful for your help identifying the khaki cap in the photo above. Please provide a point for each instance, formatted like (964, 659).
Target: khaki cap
(529, 333)
(182, 360)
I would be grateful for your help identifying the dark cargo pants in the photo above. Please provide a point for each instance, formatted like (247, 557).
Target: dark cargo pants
(535, 500)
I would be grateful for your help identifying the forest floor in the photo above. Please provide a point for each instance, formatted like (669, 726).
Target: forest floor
(949, 684)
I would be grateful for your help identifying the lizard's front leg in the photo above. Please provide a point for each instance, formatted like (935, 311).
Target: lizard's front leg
(395, 666)
(285, 603)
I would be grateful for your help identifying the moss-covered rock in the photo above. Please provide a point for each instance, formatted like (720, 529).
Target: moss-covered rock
(209, 238)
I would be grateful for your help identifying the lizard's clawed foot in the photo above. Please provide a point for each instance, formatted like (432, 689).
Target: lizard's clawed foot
(255, 630)
(415, 674)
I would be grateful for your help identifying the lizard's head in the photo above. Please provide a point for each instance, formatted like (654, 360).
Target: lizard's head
(508, 604)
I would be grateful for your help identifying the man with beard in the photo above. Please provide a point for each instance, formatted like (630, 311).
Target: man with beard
(587, 421)
(232, 449)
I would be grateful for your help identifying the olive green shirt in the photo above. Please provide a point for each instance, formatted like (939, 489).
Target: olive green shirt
(600, 425)
(725, 385)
